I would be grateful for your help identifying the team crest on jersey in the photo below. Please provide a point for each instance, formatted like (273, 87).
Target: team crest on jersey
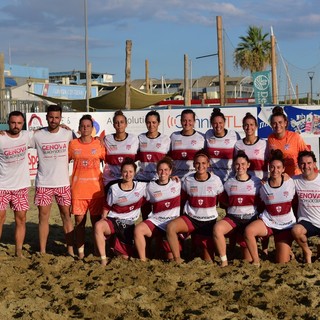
(157, 194)
(216, 152)
(286, 193)
(128, 146)
(149, 157)
(177, 142)
(93, 151)
(131, 208)
(158, 145)
(193, 142)
(167, 204)
(209, 189)
(240, 200)
(120, 159)
(183, 154)
(227, 141)
(173, 190)
(278, 209)
(249, 187)
(143, 145)
(137, 194)
(200, 202)
(85, 163)
(287, 146)
(256, 151)
(193, 189)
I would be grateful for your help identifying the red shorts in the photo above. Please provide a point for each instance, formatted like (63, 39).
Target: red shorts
(18, 199)
(44, 195)
(279, 235)
(81, 206)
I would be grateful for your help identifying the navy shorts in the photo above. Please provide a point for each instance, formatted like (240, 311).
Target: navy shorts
(311, 229)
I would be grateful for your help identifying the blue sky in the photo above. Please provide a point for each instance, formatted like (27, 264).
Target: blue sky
(49, 33)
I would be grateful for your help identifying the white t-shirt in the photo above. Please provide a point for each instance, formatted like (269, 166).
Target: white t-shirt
(14, 161)
(309, 199)
(165, 200)
(278, 213)
(52, 149)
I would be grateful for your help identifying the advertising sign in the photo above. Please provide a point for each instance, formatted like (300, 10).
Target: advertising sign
(262, 87)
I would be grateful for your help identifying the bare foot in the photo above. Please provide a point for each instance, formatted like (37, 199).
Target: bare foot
(224, 264)
(307, 256)
(178, 260)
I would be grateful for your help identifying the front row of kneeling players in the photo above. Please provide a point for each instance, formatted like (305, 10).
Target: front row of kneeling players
(281, 206)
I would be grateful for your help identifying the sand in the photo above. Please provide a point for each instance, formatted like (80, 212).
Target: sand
(58, 287)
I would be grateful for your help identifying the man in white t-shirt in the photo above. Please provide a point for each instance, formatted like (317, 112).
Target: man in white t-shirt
(52, 178)
(14, 175)
(308, 191)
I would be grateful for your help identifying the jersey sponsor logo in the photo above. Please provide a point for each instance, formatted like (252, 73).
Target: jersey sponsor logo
(278, 209)
(77, 152)
(122, 199)
(240, 200)
(233, 188)
(177, 143)
(54, 146)
(167, 204)
(143, 145)
(309, 195)
(212, 140)
(113, 147)
(193, 189)
(16, 151)
(149, 157)
(157, 194)
(183, 154)
(270, 196)
(200, 202)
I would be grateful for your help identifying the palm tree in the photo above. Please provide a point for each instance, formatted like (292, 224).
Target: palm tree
(254, 51)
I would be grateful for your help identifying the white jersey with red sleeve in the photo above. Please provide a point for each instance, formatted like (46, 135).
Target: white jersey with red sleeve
(278, 213)
(53, 164)
(14, 161)
(243, 197)
(151, 150)
(126, 204)
(221, 150)
(182, 150)
(309, 199)
(201, 201)
(117, 151)
(257, 154)
(165, 200)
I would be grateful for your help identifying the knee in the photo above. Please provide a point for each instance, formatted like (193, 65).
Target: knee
(171, 228)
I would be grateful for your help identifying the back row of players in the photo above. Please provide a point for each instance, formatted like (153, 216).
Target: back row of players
(200, 189)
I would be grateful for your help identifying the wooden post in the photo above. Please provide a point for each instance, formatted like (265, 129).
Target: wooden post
(187, 101)
(128, 75)
(2, 87)
(297, 95)
(274, 70)
(220, 61)
(147, 77)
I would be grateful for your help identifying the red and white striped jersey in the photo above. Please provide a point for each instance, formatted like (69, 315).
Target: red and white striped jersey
(125, 204)
(257, 154)
(202, 197)
(165, 200)
(221, 152)
(117, 151)
(278, 213)
(242, 197)
(151, 150)
(183, 148)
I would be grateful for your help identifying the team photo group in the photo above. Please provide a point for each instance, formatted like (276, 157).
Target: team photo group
(149, 195)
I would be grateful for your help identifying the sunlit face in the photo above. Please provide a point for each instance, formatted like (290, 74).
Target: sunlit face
(307, 166)
(249, 127)
(120, 124)
(218, 125)
(276, 169)
(241, 166)
(279, 125)
(86, 128)
(128, 172)
(187, 122)
(152, 124)
(54, 119)
(164, 172)
(201, 164)
(15, 124)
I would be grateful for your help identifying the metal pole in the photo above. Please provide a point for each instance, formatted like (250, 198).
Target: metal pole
(86, 56)
(311, 75)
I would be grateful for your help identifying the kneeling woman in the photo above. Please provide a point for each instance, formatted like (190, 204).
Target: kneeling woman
(199, 193)
(121, 211)
(277, 218)
(240, 198)
(164, 196)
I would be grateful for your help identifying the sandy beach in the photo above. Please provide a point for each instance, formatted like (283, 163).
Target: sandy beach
(58, 287)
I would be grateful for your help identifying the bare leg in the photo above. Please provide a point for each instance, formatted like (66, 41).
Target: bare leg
(220, 229)
(67, 227)
(140, 232)
(44, 214)
(176, 226)
(20, 231)
(255, 229)
(101, 230)
(2, 220)
(299, 234)
(94, 219)
(283, 250)
(80, 233)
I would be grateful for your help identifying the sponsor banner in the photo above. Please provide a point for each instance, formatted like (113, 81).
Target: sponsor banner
(262, 87)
